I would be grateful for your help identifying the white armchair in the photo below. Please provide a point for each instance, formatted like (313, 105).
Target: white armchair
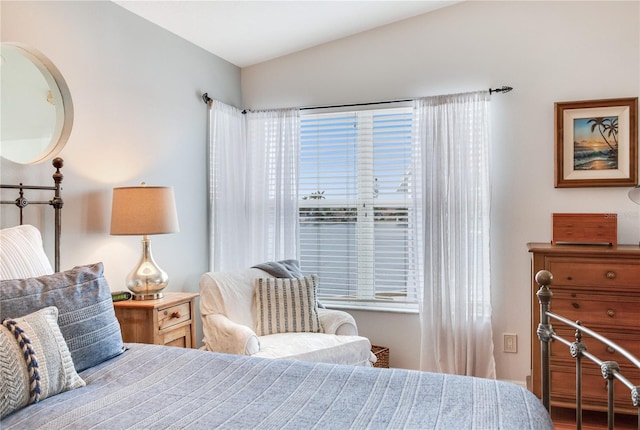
(229, 325)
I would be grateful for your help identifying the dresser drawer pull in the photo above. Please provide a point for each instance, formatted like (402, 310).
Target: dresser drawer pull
(175, 315)
(611, 313)
(575, 305)
(611, 275)
(610, 350)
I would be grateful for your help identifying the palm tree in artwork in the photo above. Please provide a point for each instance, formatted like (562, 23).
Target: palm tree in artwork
(608, 126)
(611, 127)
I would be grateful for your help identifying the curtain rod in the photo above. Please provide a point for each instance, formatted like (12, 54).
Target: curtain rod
(503, 89)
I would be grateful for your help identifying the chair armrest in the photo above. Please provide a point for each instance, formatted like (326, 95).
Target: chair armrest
(223, 335)
(337, 322)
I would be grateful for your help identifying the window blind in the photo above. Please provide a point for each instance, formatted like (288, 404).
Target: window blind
(355, 221)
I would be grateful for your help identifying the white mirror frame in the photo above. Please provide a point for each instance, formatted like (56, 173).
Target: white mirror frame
(54, 133)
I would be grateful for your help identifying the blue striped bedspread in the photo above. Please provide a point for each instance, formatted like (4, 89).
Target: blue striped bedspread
(158, 387)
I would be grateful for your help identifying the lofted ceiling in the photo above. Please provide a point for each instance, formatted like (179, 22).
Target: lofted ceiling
(250, 32)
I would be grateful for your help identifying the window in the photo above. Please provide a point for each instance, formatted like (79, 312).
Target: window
(355, 221)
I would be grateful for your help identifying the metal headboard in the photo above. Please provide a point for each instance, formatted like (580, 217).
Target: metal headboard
(610, 369)
(56, 202)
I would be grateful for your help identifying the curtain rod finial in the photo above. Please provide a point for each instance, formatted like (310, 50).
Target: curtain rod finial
(503, 89)
(206, 98)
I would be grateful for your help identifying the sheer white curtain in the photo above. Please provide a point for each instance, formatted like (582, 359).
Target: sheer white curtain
(272, 184)
(227, 178)
(253, 171)
(452, 205)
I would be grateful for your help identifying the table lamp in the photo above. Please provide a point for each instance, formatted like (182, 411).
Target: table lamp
(144, 211)
(634, 195)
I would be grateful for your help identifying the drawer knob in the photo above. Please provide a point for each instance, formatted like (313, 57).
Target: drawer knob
(610, 350)
(611, 313)
(175, 315)
(575, 305)
(611, 275)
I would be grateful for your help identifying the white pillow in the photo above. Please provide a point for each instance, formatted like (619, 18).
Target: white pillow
(21, 253)
(285, 305)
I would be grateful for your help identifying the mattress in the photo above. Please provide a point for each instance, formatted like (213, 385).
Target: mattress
(152, 386)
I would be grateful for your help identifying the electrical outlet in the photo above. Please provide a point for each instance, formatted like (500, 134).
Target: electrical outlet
(510, 342)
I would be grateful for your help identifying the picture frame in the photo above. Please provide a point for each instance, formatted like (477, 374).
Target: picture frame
(596, 143)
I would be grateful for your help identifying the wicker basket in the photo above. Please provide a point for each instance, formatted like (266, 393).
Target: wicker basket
(382, 354)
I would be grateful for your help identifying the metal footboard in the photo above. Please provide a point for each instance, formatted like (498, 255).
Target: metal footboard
(610, 369)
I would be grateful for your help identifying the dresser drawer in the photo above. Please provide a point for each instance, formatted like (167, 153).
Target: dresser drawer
(629, 341)
(597, 310)
(173, 315)
(594, 272)
(594, 389)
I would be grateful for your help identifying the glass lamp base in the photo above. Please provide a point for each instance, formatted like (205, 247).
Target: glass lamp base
(146, 281)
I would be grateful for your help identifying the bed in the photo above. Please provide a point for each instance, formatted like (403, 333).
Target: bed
(89, 378)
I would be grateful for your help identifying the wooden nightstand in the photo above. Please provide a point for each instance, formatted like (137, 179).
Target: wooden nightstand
(165, 321)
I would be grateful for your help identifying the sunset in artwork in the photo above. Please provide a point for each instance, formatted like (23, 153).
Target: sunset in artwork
(595, 145)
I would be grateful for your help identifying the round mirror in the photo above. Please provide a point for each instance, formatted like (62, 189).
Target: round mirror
(37, 112)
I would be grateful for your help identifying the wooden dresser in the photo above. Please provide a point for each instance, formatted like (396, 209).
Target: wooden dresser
(166, 321)
(600, 286)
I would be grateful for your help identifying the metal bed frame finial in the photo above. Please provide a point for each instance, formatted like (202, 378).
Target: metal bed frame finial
(545, 333)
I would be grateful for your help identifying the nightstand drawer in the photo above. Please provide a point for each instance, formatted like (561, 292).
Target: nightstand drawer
(595, 273)
(180, 337)
(173, 315)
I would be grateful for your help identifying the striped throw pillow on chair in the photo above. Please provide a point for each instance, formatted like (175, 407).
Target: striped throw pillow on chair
(285, 305)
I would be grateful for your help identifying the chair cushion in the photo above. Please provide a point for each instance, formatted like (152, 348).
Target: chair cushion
(285, 305)
(22, 254)
(317, 347)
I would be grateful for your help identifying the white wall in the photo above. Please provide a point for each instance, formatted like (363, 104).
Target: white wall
(549, 52)
(138, 117)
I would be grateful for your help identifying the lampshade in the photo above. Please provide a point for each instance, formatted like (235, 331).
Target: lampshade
(634, 194)
(143, 210)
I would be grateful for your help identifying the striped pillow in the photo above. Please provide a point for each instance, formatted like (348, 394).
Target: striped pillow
(286, 305)
(86, 316)
(22, 254)
(36, 362)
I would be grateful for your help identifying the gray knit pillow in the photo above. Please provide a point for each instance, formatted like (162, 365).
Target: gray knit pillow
(36, 363)
(285, 305)
(83, 298)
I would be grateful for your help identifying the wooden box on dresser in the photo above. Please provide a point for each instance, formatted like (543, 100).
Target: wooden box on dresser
(166, 321)
(600, 286)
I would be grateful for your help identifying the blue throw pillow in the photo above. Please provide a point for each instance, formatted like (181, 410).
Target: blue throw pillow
(86, 316)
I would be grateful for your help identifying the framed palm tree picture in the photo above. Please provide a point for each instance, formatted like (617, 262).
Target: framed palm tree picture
(596, 143)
